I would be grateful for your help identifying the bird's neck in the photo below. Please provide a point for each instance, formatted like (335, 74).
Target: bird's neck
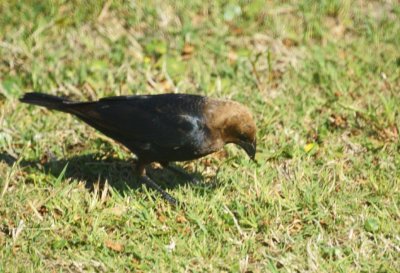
(219, 115)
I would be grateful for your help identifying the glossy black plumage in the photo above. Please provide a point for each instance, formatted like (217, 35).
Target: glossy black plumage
(162, 128)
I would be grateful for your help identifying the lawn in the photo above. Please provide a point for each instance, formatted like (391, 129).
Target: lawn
(322, 79)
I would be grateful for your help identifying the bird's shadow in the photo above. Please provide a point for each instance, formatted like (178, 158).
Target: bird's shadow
(95, 168)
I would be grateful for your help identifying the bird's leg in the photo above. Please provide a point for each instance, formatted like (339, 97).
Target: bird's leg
(181, 172)
(150, 182)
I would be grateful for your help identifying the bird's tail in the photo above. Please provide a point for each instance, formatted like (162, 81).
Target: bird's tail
(48, 101)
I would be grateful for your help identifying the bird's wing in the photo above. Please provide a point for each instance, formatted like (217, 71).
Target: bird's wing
(168, 121)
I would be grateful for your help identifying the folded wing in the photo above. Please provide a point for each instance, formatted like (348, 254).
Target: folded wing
(147, 122)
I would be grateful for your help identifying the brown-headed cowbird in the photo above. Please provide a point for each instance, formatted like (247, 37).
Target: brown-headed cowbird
(162, 128)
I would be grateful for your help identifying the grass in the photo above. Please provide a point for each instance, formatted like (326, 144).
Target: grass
(322, 79)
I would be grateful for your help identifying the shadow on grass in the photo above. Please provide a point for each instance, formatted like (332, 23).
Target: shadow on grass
(92, 169)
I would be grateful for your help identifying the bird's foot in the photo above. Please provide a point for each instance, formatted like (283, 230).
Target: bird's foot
(150, 182)
(185, 175)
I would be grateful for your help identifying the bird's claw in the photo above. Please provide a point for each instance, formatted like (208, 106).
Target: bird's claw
(185, 175)
(149, 182)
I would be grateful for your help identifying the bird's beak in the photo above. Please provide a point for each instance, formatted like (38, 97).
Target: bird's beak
(250, 148)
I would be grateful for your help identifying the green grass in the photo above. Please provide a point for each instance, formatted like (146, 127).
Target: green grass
(322, 79)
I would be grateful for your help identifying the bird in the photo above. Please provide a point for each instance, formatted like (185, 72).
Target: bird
(162, 128)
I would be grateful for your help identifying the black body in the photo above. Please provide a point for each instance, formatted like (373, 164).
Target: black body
(161, 128)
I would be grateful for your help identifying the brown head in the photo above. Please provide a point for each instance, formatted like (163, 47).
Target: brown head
(232, 122)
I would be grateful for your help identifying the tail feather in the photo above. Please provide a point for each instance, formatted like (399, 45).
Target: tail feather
(45, 100)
